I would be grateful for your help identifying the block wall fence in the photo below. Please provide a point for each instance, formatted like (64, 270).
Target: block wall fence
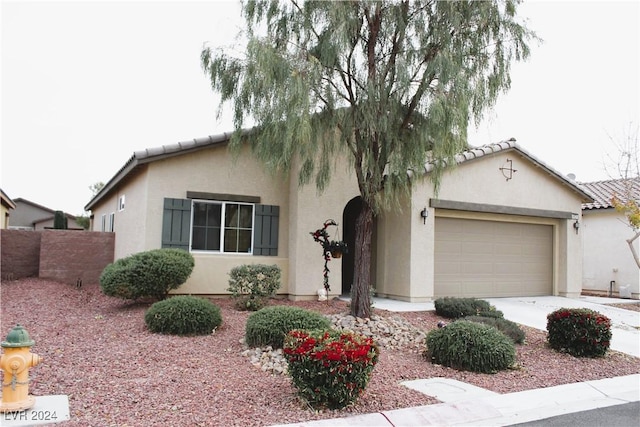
(61, 255)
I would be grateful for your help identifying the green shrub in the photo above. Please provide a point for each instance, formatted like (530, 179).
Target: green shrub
(183, 315)
(330, 368)
(268, 326)
(455, 308)
(581, 332)
(251, 284)
(249, 303)
(470, 346)
(60, 221)
(507, 327)
(147, 274)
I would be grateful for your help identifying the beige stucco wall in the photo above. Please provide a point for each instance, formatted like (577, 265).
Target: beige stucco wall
(215, 171)
(308, 212)
(404, 260)
(4, 216)
(607, 255)
(408, 266)
(129, 223)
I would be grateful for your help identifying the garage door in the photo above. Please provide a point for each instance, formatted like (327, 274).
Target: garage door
(476, 258)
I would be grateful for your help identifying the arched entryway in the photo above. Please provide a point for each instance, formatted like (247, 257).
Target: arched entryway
(349, 217)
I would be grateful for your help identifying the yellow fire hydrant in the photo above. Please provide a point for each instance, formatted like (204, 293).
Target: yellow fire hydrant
(15, 362)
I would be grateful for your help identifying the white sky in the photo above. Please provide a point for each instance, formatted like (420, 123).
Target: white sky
(85, 84)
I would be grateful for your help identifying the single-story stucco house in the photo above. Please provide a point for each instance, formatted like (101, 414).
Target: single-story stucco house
(609, 267)
(6, 205)
(504, 223)
(28, 215)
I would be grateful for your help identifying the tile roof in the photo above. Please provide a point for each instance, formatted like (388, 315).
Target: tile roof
(157, 153)
(152, 154)
(603, 191)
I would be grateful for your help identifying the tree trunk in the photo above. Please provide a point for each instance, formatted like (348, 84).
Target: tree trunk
(360, 295)
(633, 249)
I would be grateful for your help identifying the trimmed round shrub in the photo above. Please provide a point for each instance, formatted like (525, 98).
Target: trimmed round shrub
(455, 308)
(470, 346)
(183, 315)
(507, 327)
(150, 274)
(581, 332)
(269, 325)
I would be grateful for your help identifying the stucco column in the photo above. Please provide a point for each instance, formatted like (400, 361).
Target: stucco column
(570, 247)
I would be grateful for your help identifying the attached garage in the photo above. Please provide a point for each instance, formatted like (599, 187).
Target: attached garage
(483, 258)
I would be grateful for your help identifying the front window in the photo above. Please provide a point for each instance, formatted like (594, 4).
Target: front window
(211, 233)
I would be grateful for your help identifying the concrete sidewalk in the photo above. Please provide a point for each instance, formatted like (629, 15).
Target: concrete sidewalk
(502, 409)
(468, 405)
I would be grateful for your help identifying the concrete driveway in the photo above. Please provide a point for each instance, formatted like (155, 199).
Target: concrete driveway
(533, 311)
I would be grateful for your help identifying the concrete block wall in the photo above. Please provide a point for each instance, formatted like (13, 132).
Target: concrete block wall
(20, 254)
(66, 256)
(60, 255)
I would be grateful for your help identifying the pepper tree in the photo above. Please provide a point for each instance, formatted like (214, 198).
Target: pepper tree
(389, 84)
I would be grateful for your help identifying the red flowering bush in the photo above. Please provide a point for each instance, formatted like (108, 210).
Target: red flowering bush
(581, 332)
(330, 368)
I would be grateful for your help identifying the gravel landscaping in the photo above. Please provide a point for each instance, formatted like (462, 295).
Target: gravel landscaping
(98, 351)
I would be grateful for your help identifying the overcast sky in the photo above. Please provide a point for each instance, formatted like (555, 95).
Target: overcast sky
(85, 84)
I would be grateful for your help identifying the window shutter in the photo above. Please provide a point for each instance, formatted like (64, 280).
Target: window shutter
(176, 223)
(265, 231)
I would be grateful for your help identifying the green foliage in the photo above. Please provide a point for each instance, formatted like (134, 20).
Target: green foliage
(581, 332)
(507, 327)
(251, 284)
(183, 315)
(470, 346)
(96, 188)
(147, 274)
(454, 308)
(328, 367)
(249, 303)
(396, 79)
(269, 325)
(83, 221)
(60, 221)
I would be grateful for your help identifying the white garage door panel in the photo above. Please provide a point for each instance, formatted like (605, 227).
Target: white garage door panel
(476, 258)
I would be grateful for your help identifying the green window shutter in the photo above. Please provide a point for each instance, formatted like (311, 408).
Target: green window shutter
(176, 223)
(265, 230)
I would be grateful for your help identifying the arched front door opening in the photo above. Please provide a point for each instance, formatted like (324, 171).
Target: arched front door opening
(349, 217)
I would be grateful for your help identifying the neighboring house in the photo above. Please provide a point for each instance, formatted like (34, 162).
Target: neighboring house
(6, 205)
(503, 223)
(609, 266)
(28, 215)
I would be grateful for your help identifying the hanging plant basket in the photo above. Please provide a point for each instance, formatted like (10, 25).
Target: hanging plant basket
(337, 248)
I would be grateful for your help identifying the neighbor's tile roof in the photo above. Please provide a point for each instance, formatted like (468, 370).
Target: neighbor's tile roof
(603, 191)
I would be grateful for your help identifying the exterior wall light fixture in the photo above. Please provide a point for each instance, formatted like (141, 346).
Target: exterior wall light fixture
(576, 226)
(424, 214)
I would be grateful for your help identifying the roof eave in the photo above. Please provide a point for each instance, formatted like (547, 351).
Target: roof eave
(150, 155)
